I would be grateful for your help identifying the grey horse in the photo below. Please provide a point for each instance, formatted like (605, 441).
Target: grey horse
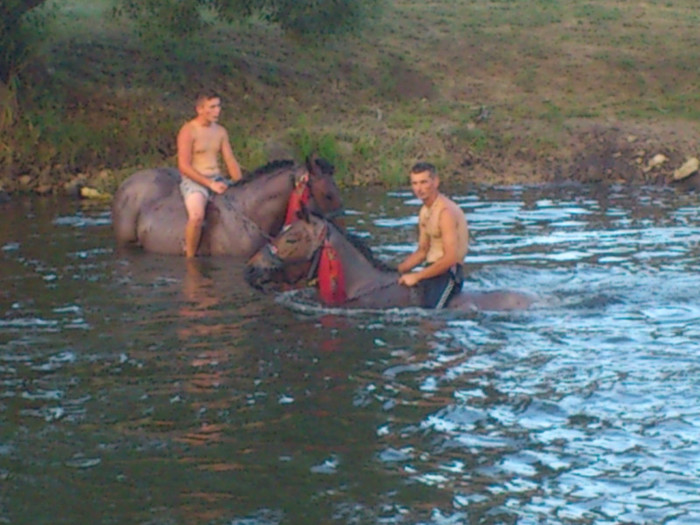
(366, 282)
(148, 209)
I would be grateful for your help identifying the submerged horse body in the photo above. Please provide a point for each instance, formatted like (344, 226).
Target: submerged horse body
(347, 274)
(148, 209)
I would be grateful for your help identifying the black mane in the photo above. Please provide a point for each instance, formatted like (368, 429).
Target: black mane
(267, 169)
(271, 166)
(364, 249)
(276, 165)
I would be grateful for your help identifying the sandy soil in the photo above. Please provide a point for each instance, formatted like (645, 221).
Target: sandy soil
(594, 152)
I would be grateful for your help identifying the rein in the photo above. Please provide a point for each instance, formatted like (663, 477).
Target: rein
(315, 257)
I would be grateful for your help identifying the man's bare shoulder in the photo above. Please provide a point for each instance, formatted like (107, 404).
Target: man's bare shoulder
(452, 208)
(219, 130)
(188, 128)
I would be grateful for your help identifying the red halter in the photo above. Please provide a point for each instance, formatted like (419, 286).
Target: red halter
(300, 195)
(331, 278)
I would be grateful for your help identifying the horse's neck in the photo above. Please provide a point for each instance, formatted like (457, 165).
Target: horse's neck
(264, 200)
(359, 273)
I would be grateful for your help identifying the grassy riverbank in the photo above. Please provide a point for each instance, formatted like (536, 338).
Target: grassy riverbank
(500, 92)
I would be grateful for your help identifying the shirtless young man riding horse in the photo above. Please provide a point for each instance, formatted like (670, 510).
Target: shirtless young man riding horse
(443, 241)
(200, 142)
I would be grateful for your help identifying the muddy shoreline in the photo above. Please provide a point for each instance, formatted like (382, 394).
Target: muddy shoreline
(595, 153)
(598, 153)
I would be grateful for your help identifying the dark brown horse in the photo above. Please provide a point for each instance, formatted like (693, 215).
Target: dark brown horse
(148, 209)
(347, 274)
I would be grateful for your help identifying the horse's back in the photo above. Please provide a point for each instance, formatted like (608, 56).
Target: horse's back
(137, 191)
(148, 210)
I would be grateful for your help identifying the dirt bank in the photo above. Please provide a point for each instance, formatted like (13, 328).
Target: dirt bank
(588, 152)
(591, 152)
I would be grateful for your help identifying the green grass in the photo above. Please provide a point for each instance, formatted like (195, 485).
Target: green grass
(411, 87)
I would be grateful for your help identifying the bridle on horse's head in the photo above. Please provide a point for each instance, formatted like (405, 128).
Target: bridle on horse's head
(303, 182)
(300, 179)
(300, 196)
(325, 265)
(270, 253)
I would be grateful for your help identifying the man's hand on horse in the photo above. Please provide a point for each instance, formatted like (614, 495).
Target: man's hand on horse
(409, 279)
(218, 186)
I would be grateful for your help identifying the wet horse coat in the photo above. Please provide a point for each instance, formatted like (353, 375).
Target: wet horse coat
(355, 279)
(148, 209)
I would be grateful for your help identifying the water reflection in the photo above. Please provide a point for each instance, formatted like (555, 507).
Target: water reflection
(143, 389)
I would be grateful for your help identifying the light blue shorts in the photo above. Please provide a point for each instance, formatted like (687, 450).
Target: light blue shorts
(188, 186)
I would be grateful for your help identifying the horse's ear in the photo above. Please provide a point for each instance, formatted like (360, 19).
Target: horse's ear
(318, 167)
(311, 166)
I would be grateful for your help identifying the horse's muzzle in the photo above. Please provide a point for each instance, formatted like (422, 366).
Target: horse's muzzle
(258, 277)
(263, 268)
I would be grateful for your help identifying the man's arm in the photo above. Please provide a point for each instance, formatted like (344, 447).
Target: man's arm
(234, 169)
(417, 256)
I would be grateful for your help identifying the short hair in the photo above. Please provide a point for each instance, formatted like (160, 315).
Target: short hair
(203, 96)
(420, 167)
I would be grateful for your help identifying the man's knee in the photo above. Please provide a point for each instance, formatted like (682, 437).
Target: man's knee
(196, 205)
(195, 220)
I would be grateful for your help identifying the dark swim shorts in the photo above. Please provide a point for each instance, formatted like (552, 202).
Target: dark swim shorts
(437, 291)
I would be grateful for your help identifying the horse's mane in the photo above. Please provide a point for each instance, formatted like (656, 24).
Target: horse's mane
(275, 165)
(267, 169)
(363, 248)
(271, 166)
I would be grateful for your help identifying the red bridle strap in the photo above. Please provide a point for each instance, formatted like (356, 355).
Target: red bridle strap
(331, 278)
(300, 195)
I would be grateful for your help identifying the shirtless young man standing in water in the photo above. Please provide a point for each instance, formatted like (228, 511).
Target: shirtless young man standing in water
(443, 241)
(199, 144)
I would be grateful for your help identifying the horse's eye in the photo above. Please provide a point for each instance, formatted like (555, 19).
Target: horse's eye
(329, 197)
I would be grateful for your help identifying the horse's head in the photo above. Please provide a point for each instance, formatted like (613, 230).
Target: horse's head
(290, 255)
(341, 264)
(326, 194)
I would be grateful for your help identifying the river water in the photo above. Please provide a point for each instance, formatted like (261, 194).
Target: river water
(136, 390)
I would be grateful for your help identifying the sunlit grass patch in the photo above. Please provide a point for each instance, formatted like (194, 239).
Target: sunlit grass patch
(597, 13)
(428, 81)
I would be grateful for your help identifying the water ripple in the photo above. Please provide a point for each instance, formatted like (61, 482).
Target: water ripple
(118, 372)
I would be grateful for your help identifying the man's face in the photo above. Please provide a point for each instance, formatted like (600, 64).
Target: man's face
(424, 186)
(210, 109)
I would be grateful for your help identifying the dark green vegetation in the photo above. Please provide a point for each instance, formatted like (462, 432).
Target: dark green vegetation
(495, 91)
